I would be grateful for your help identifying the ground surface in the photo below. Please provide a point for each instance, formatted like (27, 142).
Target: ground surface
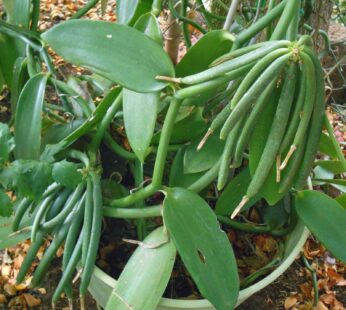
(293, 290)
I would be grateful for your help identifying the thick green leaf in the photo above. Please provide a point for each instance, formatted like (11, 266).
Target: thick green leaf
(67, 174)
(10, 50)
(146, 274)
(20, 77)
(129, 10)
(325, 218)
(6, 143)
(5, 204)
(188, 128)
(6, 240)
(342, 200)
(140, 112)
(334, 166)
(111, 50)
(274, 216)
(211, 46)
(177, 177)
(28, 120)
(18, 12)
(270, 189)
(233, 194)
(339, 184)
(197, 161)
(327, 146)
(203, 246)
(149, 25)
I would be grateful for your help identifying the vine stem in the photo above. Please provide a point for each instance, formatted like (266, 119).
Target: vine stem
(230, 15)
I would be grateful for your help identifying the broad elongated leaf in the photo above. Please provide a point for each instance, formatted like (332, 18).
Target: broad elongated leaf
(149, 25)
(342, 200)
(6, 143)
(233, 194)
(325, 218)
(337, 183)
(111, 50)
(327, 146)
(204, 159)
(28, 121)
(146, 274)
(177, 177)
(334, 166)
(20, 77)
(203, 246)
(140, 112)
(129, 10)
(18, 12)
(201, 55)
(66, 174)
(6, 240)
(5, 204)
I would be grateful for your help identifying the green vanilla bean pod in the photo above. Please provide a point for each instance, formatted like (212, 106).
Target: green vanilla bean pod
(287, 16)
(87, 223)
(70, 205)
(274, 139)
(243, 106)
(95, 234)
(307, 108)
(250, 78)
(227, 154)
(250, 124)
(22, 207)
(315, 130)
(30, 256)
(232, 64)
(70, 243)
(296, 114)
(69, 271)
(58, 204)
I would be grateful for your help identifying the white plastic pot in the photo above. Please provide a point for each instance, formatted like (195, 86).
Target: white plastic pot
(101, 284)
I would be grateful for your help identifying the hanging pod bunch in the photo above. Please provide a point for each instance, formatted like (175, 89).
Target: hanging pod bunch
(73, 218)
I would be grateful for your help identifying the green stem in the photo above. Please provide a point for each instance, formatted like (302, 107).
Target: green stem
(104, 124)
(90, 4)
(125, 213)
(314, 279)
(262, 23)
(185, 28)
(335, 143)
(156, 8)
(117, 149)
(35, 15)
(204, 13)
(185, 19)
(166, 133)
(292, 30)
(284, 21)
(269, 30)
(206, 179)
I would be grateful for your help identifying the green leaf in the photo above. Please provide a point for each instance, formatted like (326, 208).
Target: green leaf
(6, 240)
(233, 194)
(111, 50)
(203, 246)
(129, 10)
(188, 128)
(342, 200)
(270, 189)
(6, 143)
(20, 77)
(327, 146)
(140, 112)
(67, 174)
(325, 218)
(339, 184)
(149, 25)
(5, 204)
(201, 55)
(18, 12)
(204, 159)
(28, 120)
(334, 166)
(146, 274)
(177, 177)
